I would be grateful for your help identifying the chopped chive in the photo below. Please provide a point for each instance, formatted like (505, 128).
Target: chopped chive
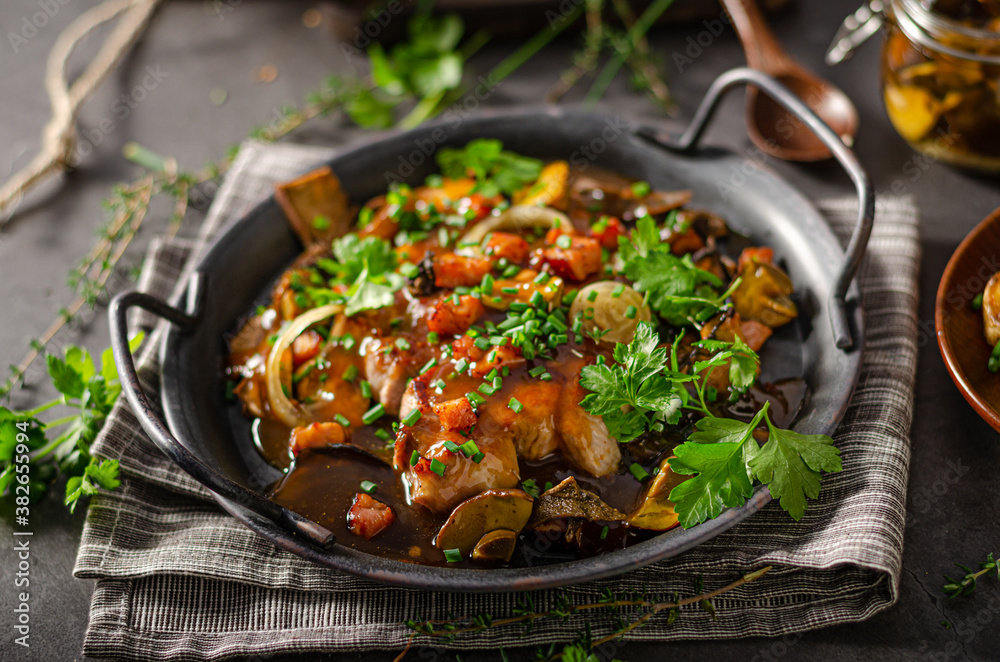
(545, 377)
(487, 284)
(411, 417)
(368, 486)
(402, 344)
(383, 434)
(569, 297)
(564, 241)
(452, 555)
(408, 269)
(618, 291)
(488, 389)
(478, 457)
(347, 342)
(537, 300)
(366, 389)
(631, 312)
(505, 371)
(511, 271)
(462, 365)
(428, 366)
(559, 339)
(604, 532)
(373, 414)
(516, 405)
(977, 303)
(470, 448)
(414, 458)
(340, 418)
(637, 471)
(499, 341)
(592, 296)
(519, 307)
(640, 189)
(433, 337)
(440, 384)
(474, 398)
(482, 343)
(438, 467)
(350, 373)
(509, 290)
(497, 381)
(540, 279)
(451, 446)
(537, 370)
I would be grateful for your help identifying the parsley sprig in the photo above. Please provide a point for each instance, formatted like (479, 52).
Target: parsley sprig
(366, 267)
(495, 169)
(645, 390)
(89, 389)
(675, 288)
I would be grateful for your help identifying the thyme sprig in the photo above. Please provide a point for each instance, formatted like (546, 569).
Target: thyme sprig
(957, 588)
(562, 607)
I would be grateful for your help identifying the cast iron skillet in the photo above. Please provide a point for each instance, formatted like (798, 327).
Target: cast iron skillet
(211, 441)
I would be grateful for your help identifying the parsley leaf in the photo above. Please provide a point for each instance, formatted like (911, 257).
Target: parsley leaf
(678, 291)
(790, 464)
(634, 395)
(715, 455)
(494, 168)
(366, 266)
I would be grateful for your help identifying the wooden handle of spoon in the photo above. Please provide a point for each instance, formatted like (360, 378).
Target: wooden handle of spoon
(760, 45)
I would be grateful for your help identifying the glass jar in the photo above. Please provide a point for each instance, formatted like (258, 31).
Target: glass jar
(940, 71)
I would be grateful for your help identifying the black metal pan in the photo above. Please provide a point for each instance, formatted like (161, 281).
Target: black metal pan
(212, 442)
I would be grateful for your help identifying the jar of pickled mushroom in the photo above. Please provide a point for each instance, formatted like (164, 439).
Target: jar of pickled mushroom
(940, 74)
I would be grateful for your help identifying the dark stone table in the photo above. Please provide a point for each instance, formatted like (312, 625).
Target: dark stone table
(192, 48)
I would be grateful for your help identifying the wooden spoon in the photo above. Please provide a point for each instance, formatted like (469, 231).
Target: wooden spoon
(770, 126)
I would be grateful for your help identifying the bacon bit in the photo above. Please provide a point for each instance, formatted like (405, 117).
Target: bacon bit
(608, 231)
(306, 347)
(682, 243)
(755, 254)
(465, 348)
(450, 318)
(367, 517)
(381, 225)
(452, 270)
(455, 414)
(553, 234)
(754, 333)
(479, 205)
(316, 435)
(503, 245)
(580, 260)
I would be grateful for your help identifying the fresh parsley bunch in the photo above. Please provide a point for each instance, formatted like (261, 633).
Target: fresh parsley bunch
(495, 169)
(89, 389)
(366, 267)
(645, 389)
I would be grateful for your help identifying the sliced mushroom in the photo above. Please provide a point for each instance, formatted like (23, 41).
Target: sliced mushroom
(656, 511)
(991, 310)
(474, 518)
(604, 311)
(571, 517)
(763, 295)
(568, 499)
(495, 545)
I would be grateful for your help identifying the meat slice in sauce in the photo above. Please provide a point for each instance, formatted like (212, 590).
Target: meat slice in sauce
(368, 517)
(533, 429)
(451, 317)
(462, 477)
(387, 372)
(586, 441)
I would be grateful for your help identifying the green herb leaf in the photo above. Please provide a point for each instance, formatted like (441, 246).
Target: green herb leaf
(487, 161)
(790, 464)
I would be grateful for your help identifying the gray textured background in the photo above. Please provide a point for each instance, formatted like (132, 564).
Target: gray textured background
(954, 494)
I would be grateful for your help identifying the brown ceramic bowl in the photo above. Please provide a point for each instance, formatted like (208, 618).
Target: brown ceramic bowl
(960, 327)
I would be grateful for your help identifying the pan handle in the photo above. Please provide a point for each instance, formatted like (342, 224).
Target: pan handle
(158, 431)
(688, 141)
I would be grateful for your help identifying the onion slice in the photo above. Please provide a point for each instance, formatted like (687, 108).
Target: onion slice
(517, 217)
(287, 411)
